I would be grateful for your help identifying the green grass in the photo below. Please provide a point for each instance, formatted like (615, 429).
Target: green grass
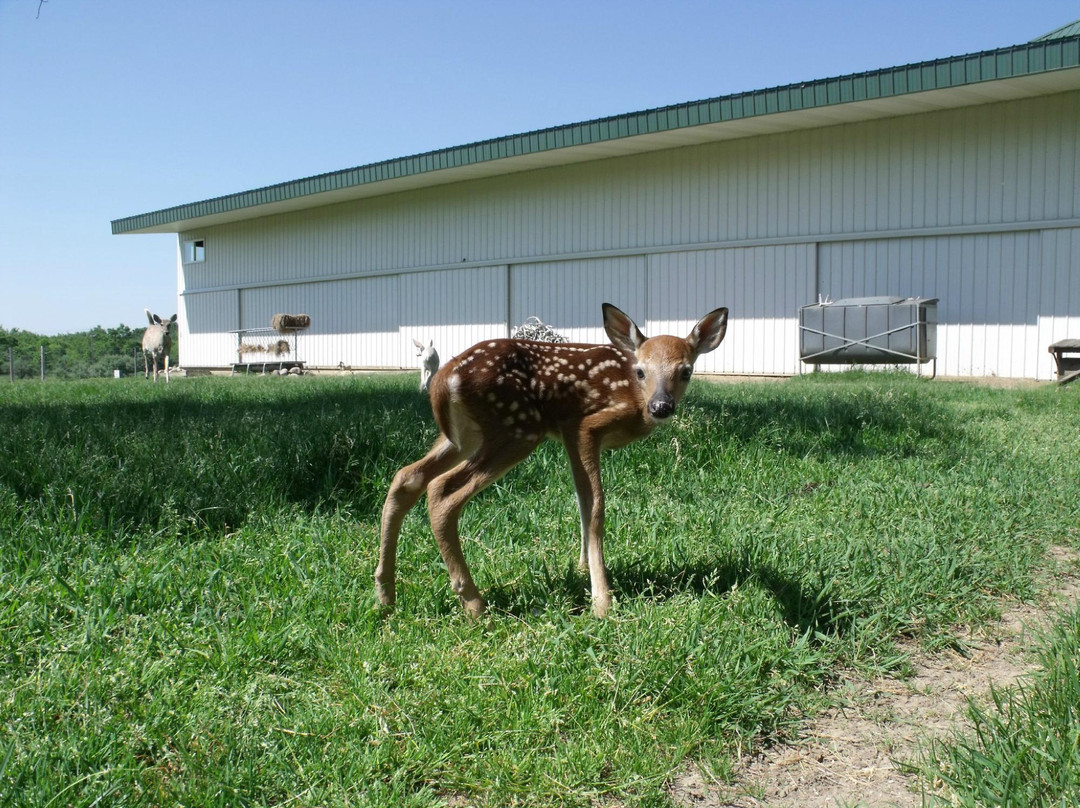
(187, 612)
(1024, 748)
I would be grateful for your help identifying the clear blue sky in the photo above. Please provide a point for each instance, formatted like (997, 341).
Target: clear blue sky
(110, 109)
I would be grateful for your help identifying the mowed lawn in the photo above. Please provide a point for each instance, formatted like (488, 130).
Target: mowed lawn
(186, 586)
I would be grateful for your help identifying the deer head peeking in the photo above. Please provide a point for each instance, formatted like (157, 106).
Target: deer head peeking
(429, 361)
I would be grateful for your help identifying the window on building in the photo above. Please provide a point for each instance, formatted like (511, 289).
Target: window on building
(194, 251)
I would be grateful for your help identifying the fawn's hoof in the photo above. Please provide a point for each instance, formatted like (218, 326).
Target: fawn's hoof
(474, 607)
(385, 594)
(601, 606)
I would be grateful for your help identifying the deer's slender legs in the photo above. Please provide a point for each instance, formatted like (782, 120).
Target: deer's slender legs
(408, 486)
(447, 495)
(584, 504)
(584, 453)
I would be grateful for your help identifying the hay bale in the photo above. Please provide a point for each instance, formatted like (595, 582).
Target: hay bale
(282, 347)
(247, 347)
(290, 322)
(534, 329)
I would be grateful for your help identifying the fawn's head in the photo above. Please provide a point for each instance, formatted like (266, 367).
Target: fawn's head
(663, 365)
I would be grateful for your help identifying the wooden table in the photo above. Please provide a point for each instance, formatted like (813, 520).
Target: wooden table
(1067, 356)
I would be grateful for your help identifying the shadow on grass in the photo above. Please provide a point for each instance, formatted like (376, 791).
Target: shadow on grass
(806, 612)
(845, 419)
(213, 453)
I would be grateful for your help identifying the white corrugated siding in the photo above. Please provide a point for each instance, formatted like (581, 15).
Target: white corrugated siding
(454, 308)
(574, 236)
(568, 295)
(988, 288)
(1059, 306)
(203, 322)
(761, 286)
(354, 322)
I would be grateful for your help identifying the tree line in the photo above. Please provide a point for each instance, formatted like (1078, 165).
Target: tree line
(83, 355)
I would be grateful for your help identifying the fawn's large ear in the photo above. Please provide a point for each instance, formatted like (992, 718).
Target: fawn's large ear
(709, 331)
(419, 345)
(621, 330)
(172, 319)
(149, 316)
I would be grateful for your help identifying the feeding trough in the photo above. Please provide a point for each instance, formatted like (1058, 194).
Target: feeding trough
(274, 349)
(869, 331)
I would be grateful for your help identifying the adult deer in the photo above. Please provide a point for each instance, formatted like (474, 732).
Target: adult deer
(156, 344)
(497, 401)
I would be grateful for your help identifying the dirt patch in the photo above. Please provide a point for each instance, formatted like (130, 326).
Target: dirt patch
(996, 382)
(853, 755)
(737, 378)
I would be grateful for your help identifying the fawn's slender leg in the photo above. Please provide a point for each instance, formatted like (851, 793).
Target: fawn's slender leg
(584, 504)
(584, 453)
(408, 486)
(447, 496)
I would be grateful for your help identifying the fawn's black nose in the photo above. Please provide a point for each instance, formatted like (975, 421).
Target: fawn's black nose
(662, 407)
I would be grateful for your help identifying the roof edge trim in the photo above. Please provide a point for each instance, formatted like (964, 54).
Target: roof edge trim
(992, 65)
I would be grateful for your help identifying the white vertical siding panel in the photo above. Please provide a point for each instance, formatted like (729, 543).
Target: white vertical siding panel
(360, 323)
(567, 295)
(1018, 202)
(966, 308)
(1055, 253)
(204, 321)
(780, 187)
(1059, 295)
(455, 308)
(1071, 158)
(257, 305)
(762, 287)
(985, 311)
(1052, 177)
(1020, 309)
(1040, 159)
(923, 151)
(1068, 161)
(1027, 354)
(908, 147)
(353, 322)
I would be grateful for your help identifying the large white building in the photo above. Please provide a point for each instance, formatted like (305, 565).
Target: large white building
(956, 179)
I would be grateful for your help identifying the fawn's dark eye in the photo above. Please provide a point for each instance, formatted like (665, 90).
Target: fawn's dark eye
(686, 374)
(640, 372)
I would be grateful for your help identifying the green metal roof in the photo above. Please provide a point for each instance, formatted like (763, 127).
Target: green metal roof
(875, 93)
(1064, 32)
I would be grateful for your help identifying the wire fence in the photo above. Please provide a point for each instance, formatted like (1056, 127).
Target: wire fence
(58, 361)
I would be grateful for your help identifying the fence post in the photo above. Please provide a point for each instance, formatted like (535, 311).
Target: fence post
(43, 363)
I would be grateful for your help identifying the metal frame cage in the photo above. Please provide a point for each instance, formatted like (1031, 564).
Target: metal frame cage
(870, 330)
(266, 350)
